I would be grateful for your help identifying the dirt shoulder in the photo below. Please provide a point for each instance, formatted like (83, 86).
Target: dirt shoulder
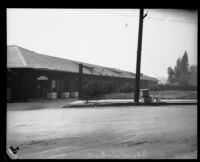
(42, 104)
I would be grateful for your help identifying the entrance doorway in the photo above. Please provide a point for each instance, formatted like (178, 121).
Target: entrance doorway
(42, 88)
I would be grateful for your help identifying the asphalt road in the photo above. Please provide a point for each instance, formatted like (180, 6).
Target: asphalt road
(124, 132)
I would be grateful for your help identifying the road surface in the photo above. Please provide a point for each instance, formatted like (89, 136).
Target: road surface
(123, 132)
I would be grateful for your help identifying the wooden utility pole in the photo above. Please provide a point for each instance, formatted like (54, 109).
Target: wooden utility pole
(139, 50)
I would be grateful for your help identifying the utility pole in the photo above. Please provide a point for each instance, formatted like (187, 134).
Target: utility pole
(139, 50)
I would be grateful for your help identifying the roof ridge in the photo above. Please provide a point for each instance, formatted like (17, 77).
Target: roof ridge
(20, 55)
(74, 61)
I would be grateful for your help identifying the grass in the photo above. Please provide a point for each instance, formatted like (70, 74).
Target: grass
(169, 94)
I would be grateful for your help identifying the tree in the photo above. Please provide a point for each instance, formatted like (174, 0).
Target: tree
(181, 73)
(185, 63)
(177, 69)
(184, 70)
(171, 75)
(193, 75)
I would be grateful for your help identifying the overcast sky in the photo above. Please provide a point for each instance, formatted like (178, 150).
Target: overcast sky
(107, 37)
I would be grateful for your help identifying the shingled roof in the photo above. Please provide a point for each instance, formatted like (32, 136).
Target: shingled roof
(18, 57)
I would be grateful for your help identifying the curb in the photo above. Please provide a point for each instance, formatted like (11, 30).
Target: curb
(127, 104)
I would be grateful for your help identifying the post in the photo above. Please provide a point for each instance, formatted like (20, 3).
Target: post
(139, 49)
(80, 88)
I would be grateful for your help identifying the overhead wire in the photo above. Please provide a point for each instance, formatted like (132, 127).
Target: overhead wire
(152, 18)
(101, 73)
(136, 16)
(115, 44)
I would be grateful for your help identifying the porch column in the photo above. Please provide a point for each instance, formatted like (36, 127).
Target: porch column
(80, 88)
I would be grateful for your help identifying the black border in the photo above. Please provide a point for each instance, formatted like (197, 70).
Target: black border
(4, 51)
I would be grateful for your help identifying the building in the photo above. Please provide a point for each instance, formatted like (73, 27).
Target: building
(31, 75)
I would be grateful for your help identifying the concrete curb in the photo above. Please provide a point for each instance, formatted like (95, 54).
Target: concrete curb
(128, 104)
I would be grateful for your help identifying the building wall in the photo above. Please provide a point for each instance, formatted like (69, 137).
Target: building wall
(25, 84)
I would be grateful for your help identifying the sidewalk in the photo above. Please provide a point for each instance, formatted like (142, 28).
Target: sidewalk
(128, 102)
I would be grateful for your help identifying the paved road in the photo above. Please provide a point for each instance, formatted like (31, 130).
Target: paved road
(125, 132)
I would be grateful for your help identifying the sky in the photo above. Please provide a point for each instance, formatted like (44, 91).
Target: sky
(107, 37)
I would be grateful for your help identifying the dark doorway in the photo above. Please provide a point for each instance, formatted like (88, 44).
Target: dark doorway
(42, 88)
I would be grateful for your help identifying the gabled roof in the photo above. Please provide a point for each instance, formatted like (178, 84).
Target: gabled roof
(18, 57)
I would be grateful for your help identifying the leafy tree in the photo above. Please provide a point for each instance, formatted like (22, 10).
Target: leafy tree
(181, 72)
(171, 75)
(184, 70)
(193, 75)
(185, 63)
(177, 69)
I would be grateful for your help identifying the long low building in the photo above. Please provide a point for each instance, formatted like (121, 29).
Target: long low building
(31, 75)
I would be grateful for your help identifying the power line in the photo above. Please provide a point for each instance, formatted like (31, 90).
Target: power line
(114, 45)
(151, 17)
(171, 20)
(148, 17)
